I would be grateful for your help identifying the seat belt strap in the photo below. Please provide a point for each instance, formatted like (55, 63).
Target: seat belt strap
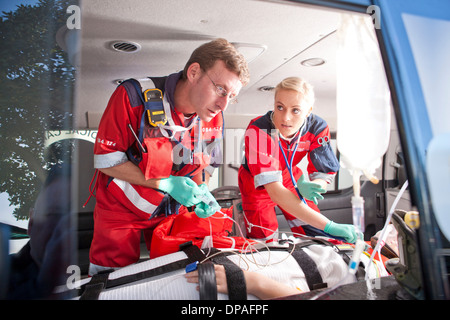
(99, 282)
(206, 274)
(93, 289)
(193, 252)
(309, 267)
(237, 287)
(207, 281)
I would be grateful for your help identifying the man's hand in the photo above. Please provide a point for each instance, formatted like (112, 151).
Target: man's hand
(182, 189)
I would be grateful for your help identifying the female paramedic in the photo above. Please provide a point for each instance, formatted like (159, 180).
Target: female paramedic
(157, 141)
(268, 177)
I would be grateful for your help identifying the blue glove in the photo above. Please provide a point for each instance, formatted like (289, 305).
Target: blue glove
(182, 189)
(346, 231)
(310, 190)
(208, 205)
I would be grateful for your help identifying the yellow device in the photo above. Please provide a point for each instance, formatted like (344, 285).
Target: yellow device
(412, 219)
(154, 105)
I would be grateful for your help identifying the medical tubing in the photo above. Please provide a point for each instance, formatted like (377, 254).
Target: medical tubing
(250, 225)
(380, 242)
(245, 249)
(358, 213)
(352, 268)
(249, 248)
(210, 237)
(226, 217)
(356, 256)
(290, 253)
(356, 184)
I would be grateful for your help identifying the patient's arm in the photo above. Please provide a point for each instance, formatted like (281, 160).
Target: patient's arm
(257, 284)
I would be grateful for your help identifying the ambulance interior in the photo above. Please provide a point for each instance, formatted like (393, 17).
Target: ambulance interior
(280, 39)
(118, 40)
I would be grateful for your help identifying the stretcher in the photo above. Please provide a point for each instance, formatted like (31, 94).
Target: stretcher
(183, 241)
(306, 264)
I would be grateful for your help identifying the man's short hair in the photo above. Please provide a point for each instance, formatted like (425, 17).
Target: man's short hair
(220, 49)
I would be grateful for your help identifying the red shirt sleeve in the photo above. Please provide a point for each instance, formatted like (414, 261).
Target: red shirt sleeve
(114, 136)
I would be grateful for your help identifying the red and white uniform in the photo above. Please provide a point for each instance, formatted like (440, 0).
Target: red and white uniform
(264, 163)
(184, 147)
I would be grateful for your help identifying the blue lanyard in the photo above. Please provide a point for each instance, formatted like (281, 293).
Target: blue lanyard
(289, 167)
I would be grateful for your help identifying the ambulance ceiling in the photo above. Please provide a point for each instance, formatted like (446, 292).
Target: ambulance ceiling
(277, 35)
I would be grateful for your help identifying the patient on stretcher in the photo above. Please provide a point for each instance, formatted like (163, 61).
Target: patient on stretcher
(258, 284)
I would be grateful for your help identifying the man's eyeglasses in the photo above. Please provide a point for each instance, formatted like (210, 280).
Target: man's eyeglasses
(222, 92)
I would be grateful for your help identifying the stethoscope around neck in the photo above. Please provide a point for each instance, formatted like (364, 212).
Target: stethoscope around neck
(290, 162)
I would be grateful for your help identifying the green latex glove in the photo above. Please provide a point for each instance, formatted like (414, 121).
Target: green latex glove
(208, 205)
(346, 231)
(310, 190)
(182, 189)
(202, 210)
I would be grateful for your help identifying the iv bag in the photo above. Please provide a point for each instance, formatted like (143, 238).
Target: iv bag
(363, 98)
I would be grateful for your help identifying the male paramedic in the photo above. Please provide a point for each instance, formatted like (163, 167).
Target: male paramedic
(157, 144)
(268, 177)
